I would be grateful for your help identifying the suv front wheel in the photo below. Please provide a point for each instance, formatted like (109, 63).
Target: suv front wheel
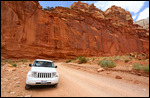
(55, 85)
(27, 86)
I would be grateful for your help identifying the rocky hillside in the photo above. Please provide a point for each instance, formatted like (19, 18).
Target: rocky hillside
(28, 31)
(144, 23)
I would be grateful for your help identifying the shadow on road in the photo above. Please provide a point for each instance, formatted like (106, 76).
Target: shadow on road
(42, 87)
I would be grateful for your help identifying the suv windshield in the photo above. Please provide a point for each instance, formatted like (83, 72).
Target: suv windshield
(43, 64)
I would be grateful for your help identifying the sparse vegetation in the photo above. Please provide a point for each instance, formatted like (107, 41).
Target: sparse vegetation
(25, 60)
(48, 8)
(145, 68)
(130, 57)
(68, 61)
(76, 58)
(126, 60)
(140, 67)
(93, 59)
(82, 60)
(107, 63)
(137, 66)
(14, 64)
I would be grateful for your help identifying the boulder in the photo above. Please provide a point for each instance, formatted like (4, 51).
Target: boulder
(142, 56)
(27, 96)
(12, 92)
(18, 82)
(9, 65)
(100, 70)
(10, 68)
(118, 77)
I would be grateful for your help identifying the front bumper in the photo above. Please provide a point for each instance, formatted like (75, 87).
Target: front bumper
(38, 81)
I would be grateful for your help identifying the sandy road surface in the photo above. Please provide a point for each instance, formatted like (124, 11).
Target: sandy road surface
(79, 83)
(72, 83)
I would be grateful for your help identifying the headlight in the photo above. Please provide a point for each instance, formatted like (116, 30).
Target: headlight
(54, 74)
(34, 74)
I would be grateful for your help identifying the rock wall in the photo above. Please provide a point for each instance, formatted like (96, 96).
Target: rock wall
(27, 31)
(144, 23)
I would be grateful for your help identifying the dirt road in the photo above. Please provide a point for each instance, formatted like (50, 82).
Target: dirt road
(77, 83)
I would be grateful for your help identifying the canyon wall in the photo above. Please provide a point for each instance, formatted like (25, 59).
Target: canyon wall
(28, 31)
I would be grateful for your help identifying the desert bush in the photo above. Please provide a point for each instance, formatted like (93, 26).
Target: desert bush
(4, 60)
(14, 64)
(107, 63)
(77, 57)
(140, 67)
(82, 60)
(145, 68)
(137, 66)
(93, 59)
(9, 61)
(68, 61)
(48, 8)
(130, 57)
(24, 60)
(126, 60)
(116, 59)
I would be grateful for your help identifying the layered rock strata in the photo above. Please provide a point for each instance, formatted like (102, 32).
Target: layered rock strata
(28, 31)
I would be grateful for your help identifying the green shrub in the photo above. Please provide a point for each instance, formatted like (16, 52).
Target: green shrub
(137, 66)
(48, 8)
(82, 60)
(145, 68)
(9, 61)
(14, 64)
(24, 60)
(77, 57)
(107, 63)
(93, 59)
(140, 67)
(68, 61)
(130, 57)
(126, 60)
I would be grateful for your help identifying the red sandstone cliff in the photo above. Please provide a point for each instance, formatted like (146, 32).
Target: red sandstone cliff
(27, 31)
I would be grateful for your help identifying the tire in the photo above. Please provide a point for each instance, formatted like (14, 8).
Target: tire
(27, 86)
(55, 85)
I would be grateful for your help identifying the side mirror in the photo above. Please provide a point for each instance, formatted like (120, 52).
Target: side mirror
(55, 66)
(30, 65)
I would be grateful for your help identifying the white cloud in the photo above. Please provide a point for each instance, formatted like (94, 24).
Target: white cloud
(134, 16)
(84, 1)
(132, 6)
(144, 14)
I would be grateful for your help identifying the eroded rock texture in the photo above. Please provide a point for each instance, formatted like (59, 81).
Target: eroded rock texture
(27, 31)
(144, 23)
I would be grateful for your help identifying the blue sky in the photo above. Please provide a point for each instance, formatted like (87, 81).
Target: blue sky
(138, 9)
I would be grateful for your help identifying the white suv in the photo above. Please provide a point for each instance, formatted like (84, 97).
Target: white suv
(42, 72)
